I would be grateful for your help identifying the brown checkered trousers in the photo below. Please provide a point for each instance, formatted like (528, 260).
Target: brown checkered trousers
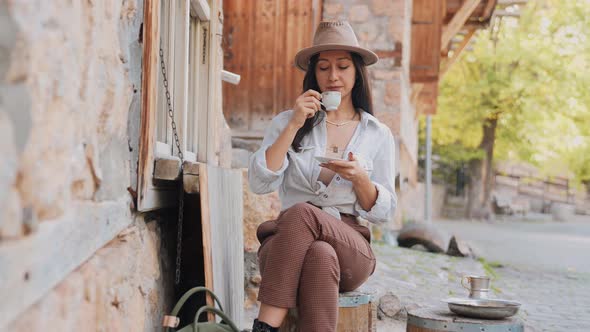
(306, 257)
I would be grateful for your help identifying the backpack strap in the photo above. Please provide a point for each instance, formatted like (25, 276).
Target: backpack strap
(173, 321)
(225, 318)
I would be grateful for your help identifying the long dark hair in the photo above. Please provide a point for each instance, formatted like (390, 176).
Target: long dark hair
(362, 99)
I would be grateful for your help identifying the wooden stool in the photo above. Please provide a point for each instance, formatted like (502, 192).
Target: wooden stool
(441, 319)
(356, 313)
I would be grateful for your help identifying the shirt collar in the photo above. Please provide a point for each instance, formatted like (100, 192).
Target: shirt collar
(367, 118)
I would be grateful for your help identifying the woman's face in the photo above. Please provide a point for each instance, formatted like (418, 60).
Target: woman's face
(335, 72)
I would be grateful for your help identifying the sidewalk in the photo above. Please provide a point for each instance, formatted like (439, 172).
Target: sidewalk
(418, 279)
(552, 301)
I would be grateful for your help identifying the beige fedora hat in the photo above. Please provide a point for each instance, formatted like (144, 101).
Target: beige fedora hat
(334, 36)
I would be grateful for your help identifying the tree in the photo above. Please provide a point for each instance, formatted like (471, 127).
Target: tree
(520, 95)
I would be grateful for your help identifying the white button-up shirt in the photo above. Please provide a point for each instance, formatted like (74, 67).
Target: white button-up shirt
(297, 181)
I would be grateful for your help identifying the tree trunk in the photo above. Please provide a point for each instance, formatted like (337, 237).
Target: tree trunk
(482, 175)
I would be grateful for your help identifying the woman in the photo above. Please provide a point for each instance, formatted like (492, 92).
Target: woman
(316, 247)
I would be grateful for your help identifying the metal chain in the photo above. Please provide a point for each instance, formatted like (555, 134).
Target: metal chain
(181, 156)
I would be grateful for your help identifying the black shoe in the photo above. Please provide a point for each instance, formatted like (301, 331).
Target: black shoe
(259, 326)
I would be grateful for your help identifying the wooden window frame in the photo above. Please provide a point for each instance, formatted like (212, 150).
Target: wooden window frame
(189, 87)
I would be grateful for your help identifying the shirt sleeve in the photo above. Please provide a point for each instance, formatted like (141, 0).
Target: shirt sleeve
(383, 177)
(261, 179)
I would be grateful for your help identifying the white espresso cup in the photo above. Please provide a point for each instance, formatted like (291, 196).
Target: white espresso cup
(331, 100)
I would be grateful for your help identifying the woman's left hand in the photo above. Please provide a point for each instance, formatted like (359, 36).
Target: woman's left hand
(350, 170)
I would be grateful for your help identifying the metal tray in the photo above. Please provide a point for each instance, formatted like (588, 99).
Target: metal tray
(483, 308)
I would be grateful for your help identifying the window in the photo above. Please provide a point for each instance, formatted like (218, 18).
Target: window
(181, 29)
(181, 52)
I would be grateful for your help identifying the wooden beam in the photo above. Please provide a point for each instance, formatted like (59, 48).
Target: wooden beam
(395, 54)
(389, 54)
(206, 231)
(506, 13)
(151, 35)
(190, 177)
(32, 266)
(457, 52)
(247, 134)
(488, 10)
(214, 107)
(511, 2)
(167, 168)
(458, 21)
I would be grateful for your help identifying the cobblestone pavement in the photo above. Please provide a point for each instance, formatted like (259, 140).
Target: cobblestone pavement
(551, 301)
(417, 278)
(546, 266)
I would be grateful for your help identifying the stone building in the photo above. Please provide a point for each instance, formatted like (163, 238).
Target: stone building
(90, 166)
(87, 150)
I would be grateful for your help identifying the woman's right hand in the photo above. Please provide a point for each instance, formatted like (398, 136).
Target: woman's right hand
(306, 105)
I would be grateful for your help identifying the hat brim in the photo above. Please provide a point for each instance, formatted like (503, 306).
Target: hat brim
(302, 57)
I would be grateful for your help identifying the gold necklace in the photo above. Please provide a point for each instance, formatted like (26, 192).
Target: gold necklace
(343, 123)
(335, 148)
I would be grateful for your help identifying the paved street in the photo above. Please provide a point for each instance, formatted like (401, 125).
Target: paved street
(548, 245)
(546, 266)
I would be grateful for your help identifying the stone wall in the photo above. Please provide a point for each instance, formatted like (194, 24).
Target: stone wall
(124, 286)
(384, 26)
(70, 79)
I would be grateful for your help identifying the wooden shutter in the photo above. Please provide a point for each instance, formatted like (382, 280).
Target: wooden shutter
(427, 19)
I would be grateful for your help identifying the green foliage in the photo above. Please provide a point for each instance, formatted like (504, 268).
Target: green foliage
(535, 80)
(489, 267)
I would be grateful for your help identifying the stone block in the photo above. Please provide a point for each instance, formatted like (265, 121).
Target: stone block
(458, 248)
(392, 93)
(387, 7)
(11, 225)
(246, 144)
(395, 29)
(359, 13)
(257, 209)
(332, 10)
(113, 291)
(114, 168)
(391, 120)
(387, 75)
(251, 297)
(367, 32)
(389, 305)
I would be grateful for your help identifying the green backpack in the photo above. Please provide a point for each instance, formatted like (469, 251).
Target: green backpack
(226, 325)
